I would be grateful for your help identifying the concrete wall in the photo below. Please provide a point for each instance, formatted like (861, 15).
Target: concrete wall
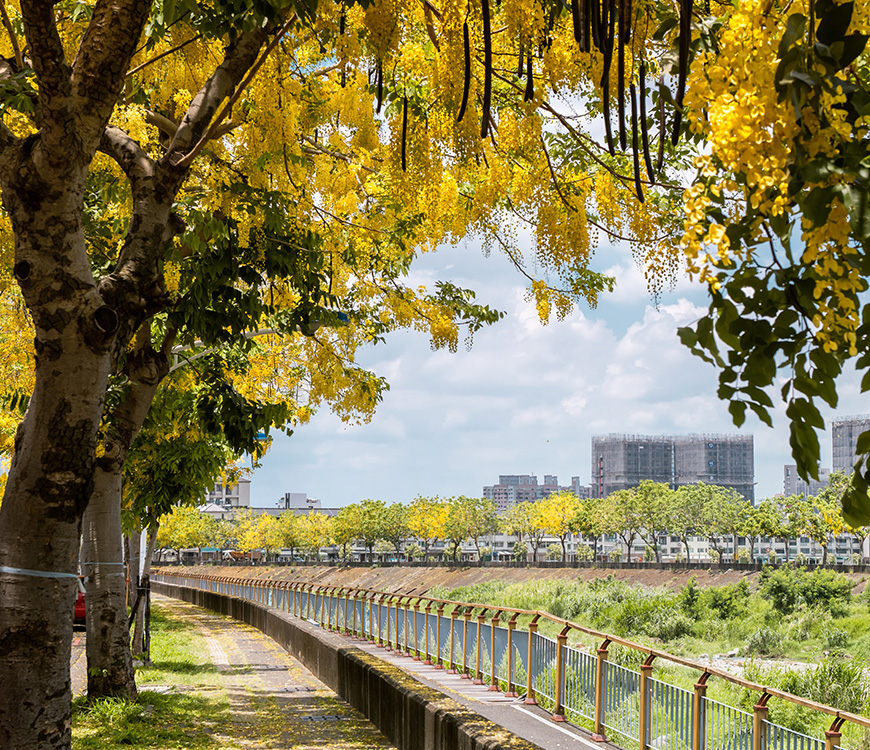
(410, 714)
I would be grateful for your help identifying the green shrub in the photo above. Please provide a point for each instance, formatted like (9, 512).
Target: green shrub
(841, 684)
(781, 587)
(727, 602)
(690, 597)
(836, 639)
(787, 588)
(766, 641)
(828, 589)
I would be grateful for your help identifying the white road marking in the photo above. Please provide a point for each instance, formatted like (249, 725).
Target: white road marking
(554, 725)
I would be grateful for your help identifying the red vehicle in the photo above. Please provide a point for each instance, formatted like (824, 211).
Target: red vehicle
(79, 609)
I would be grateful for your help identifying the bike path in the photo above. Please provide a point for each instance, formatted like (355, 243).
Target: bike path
(527, 721)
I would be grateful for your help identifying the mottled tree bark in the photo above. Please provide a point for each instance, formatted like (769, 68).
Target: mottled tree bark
(110, 667)
(82, 325)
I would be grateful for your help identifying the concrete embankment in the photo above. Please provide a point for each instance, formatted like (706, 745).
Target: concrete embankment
(411, 715)
(419, 580)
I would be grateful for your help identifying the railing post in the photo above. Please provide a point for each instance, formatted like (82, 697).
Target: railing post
(561, 640)
(698, 730)
(600, 688)
(478, 675)
(643, 723)
(463, 674)
(493, 686)
(833, 735)
(530, 672)
(511, 626)
(759, 717)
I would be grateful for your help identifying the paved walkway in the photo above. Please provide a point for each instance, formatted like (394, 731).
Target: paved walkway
(307, 714)
(529, 722)
(276, 703)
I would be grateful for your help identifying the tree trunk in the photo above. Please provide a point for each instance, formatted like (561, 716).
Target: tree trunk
(110, 666)
(51, 473)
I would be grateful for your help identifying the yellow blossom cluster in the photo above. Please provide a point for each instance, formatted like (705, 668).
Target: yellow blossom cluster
(755, 145)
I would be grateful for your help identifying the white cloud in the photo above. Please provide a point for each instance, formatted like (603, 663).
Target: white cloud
(526, 398)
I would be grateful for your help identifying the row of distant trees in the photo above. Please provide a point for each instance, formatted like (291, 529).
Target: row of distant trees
(649, 512)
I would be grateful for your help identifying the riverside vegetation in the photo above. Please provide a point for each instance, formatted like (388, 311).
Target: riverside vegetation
(804, 632)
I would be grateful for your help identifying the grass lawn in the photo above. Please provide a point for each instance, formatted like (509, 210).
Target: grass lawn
(181, 703)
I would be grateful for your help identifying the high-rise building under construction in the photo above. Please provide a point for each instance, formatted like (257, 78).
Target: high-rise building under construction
(623, 461)
(845, 432)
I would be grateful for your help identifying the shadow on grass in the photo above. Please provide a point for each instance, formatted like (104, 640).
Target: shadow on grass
(155, 720)
(176, 666)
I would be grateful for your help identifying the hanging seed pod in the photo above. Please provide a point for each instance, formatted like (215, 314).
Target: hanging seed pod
(577, 21)
(644, 132)
(599, 23)
(405, 134)
(682, 65)
(634, 146)
(660, 159)
(587, 25)
(380, 76)
(580, 20)
(529, 93)
(341, 23)
(605, 76)
(487, 68)
(620, 74)
(522, 60)
(466, 82)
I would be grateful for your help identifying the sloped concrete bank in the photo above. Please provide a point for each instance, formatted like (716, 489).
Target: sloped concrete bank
(411, 715)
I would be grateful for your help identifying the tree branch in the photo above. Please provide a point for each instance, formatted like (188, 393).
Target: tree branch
(57, 126)
(16, 50)
(214, 128)
(101, 64)
(240, 57)
(137, 165)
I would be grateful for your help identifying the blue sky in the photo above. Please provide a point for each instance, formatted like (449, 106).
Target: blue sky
(525, 399)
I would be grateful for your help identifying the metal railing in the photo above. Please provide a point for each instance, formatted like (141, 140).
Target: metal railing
(485, 644)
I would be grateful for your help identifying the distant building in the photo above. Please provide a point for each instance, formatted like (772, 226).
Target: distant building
(521, 488)
(792, 484)
(623, 461)
(232, 496)
(300, 500)
(620, 462)
(723, 460)
(844, 436)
